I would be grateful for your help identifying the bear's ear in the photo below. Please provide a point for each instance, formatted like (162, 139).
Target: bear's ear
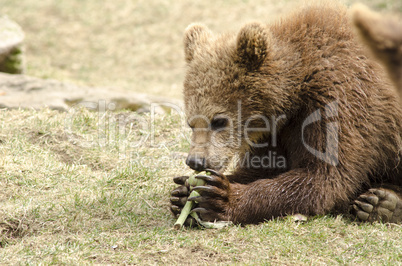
(252, 45)
(195, 35)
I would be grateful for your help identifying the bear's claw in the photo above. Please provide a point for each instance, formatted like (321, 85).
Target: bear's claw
(379, 204)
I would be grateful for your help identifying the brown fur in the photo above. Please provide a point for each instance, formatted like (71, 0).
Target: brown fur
(384, 37)
(293, 67)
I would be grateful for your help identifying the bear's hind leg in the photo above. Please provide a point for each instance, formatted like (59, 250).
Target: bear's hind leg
(379, 204)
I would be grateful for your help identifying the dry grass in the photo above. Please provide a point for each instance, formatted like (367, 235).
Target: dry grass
(66, 199)
(135, 45)
(84, 187)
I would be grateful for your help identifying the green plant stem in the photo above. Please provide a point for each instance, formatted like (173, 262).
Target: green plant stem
(185, 212)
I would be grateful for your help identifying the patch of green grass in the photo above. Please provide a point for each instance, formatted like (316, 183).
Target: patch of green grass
(82, 188)
(65, 202)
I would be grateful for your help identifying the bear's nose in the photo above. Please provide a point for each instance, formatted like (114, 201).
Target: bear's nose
(196, 163)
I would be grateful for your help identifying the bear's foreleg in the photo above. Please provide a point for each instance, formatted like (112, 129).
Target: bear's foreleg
(297, 191)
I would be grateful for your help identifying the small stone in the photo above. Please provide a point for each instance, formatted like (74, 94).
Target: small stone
(299, 218)
(11, 47)
(21, 91)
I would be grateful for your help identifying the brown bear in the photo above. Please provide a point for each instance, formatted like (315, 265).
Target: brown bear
(311, 121)
(384, 37)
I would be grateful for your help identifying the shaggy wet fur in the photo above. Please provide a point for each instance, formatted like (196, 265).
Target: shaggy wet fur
(288, 70)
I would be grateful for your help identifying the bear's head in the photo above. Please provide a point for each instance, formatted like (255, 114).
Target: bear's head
(225, 102)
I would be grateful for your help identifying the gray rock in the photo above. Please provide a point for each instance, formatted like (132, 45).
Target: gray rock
(20, 91)
(12, 58)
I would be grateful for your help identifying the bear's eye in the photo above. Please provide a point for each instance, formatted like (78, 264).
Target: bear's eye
(218, 123)
(190, 126)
